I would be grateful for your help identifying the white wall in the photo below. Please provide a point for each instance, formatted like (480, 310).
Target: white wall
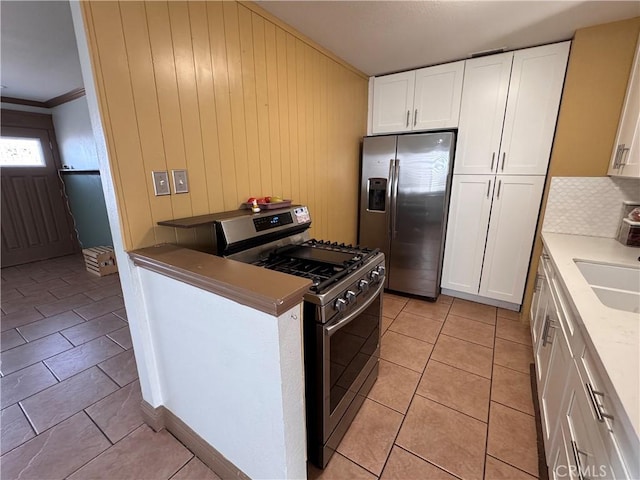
(233, 374)
(75, 136)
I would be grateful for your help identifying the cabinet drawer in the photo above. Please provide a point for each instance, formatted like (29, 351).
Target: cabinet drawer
(607, 415)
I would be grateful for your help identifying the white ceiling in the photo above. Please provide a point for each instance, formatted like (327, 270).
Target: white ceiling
(39, 57)
(386, 36)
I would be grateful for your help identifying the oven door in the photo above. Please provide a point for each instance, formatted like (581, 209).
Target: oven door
(351, 347)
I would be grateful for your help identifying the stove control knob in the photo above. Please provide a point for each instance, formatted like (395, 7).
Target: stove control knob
(374, 276)
(340, 304)
(380, 270)
(363, 285)
(350, 296)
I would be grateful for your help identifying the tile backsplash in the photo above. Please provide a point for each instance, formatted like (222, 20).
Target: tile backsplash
(588, 205)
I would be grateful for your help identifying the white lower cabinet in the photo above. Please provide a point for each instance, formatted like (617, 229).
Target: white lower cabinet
(490, 232)
(512, 226)
(578, 412)
(469, 211)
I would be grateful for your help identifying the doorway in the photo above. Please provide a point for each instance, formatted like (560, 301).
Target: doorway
(36, 224)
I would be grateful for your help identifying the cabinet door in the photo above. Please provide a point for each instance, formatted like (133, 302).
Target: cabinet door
(484, 98)
(587, 447)
(626, 151)
(554, 380)
(512, 226)
(466, 231)
(535, 89)
(393, 102)
(436, 102)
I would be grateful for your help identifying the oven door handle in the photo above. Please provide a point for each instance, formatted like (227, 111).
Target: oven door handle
(349, 318)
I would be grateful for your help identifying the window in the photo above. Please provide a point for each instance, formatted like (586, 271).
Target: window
(21, 152)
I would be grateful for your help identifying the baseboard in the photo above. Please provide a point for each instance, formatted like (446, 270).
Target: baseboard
(479, 299)
(161, 417)
(153, 416)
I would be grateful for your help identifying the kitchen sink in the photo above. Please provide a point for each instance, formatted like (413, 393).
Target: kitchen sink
(615, 286)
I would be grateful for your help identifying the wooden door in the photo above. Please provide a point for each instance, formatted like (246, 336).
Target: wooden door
(535, 89)
(393, 102)
(484, 99)
(35, 221)
(512, 227)
(466, 232)
(437, 96)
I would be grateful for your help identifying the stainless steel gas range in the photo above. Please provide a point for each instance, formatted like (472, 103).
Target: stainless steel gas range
(342, 312)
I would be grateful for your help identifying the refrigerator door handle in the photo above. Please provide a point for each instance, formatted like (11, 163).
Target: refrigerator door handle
(394, 204)
(488, 188)
(392, 164)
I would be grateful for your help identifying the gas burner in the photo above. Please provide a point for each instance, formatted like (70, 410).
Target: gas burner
(323, 262)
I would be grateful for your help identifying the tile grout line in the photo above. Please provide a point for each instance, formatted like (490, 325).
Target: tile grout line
(427, 461)
(511, 465)
(486, 445)
(84, 410)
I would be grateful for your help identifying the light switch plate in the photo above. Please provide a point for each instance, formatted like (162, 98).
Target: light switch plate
(161, 183)
(180, 182)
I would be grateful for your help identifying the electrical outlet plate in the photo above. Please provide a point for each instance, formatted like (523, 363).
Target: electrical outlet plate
(161, 183)
(180, 182)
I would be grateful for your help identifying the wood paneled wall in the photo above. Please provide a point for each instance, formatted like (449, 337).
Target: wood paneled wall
(244, 103)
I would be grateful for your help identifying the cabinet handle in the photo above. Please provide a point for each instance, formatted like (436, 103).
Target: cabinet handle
(539, 280)
(618, 157)
(504, 154)
(493, 159)
(408, 113)
(499, 185)
(488, 188)
(545, 333)
(415, 118)
(576, 458)
(623, 155)
(545, 329)
(597, 408)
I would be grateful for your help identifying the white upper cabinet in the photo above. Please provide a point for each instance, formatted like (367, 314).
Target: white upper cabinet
(393, 102)
(425, 99)
(625, 161)
(436, 102)
(509, 110)
(484, 99)
(535, 89)
(512, 228)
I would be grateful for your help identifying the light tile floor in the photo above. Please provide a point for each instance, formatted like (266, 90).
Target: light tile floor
(70, 394)
(453, 398)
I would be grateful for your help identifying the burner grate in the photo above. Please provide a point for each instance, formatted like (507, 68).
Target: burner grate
(325, 263)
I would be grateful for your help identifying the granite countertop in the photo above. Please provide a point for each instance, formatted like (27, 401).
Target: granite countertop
(259, 288)
(613, 334)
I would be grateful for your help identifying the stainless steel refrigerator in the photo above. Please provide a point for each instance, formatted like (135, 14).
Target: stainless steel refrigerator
(404, 196)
